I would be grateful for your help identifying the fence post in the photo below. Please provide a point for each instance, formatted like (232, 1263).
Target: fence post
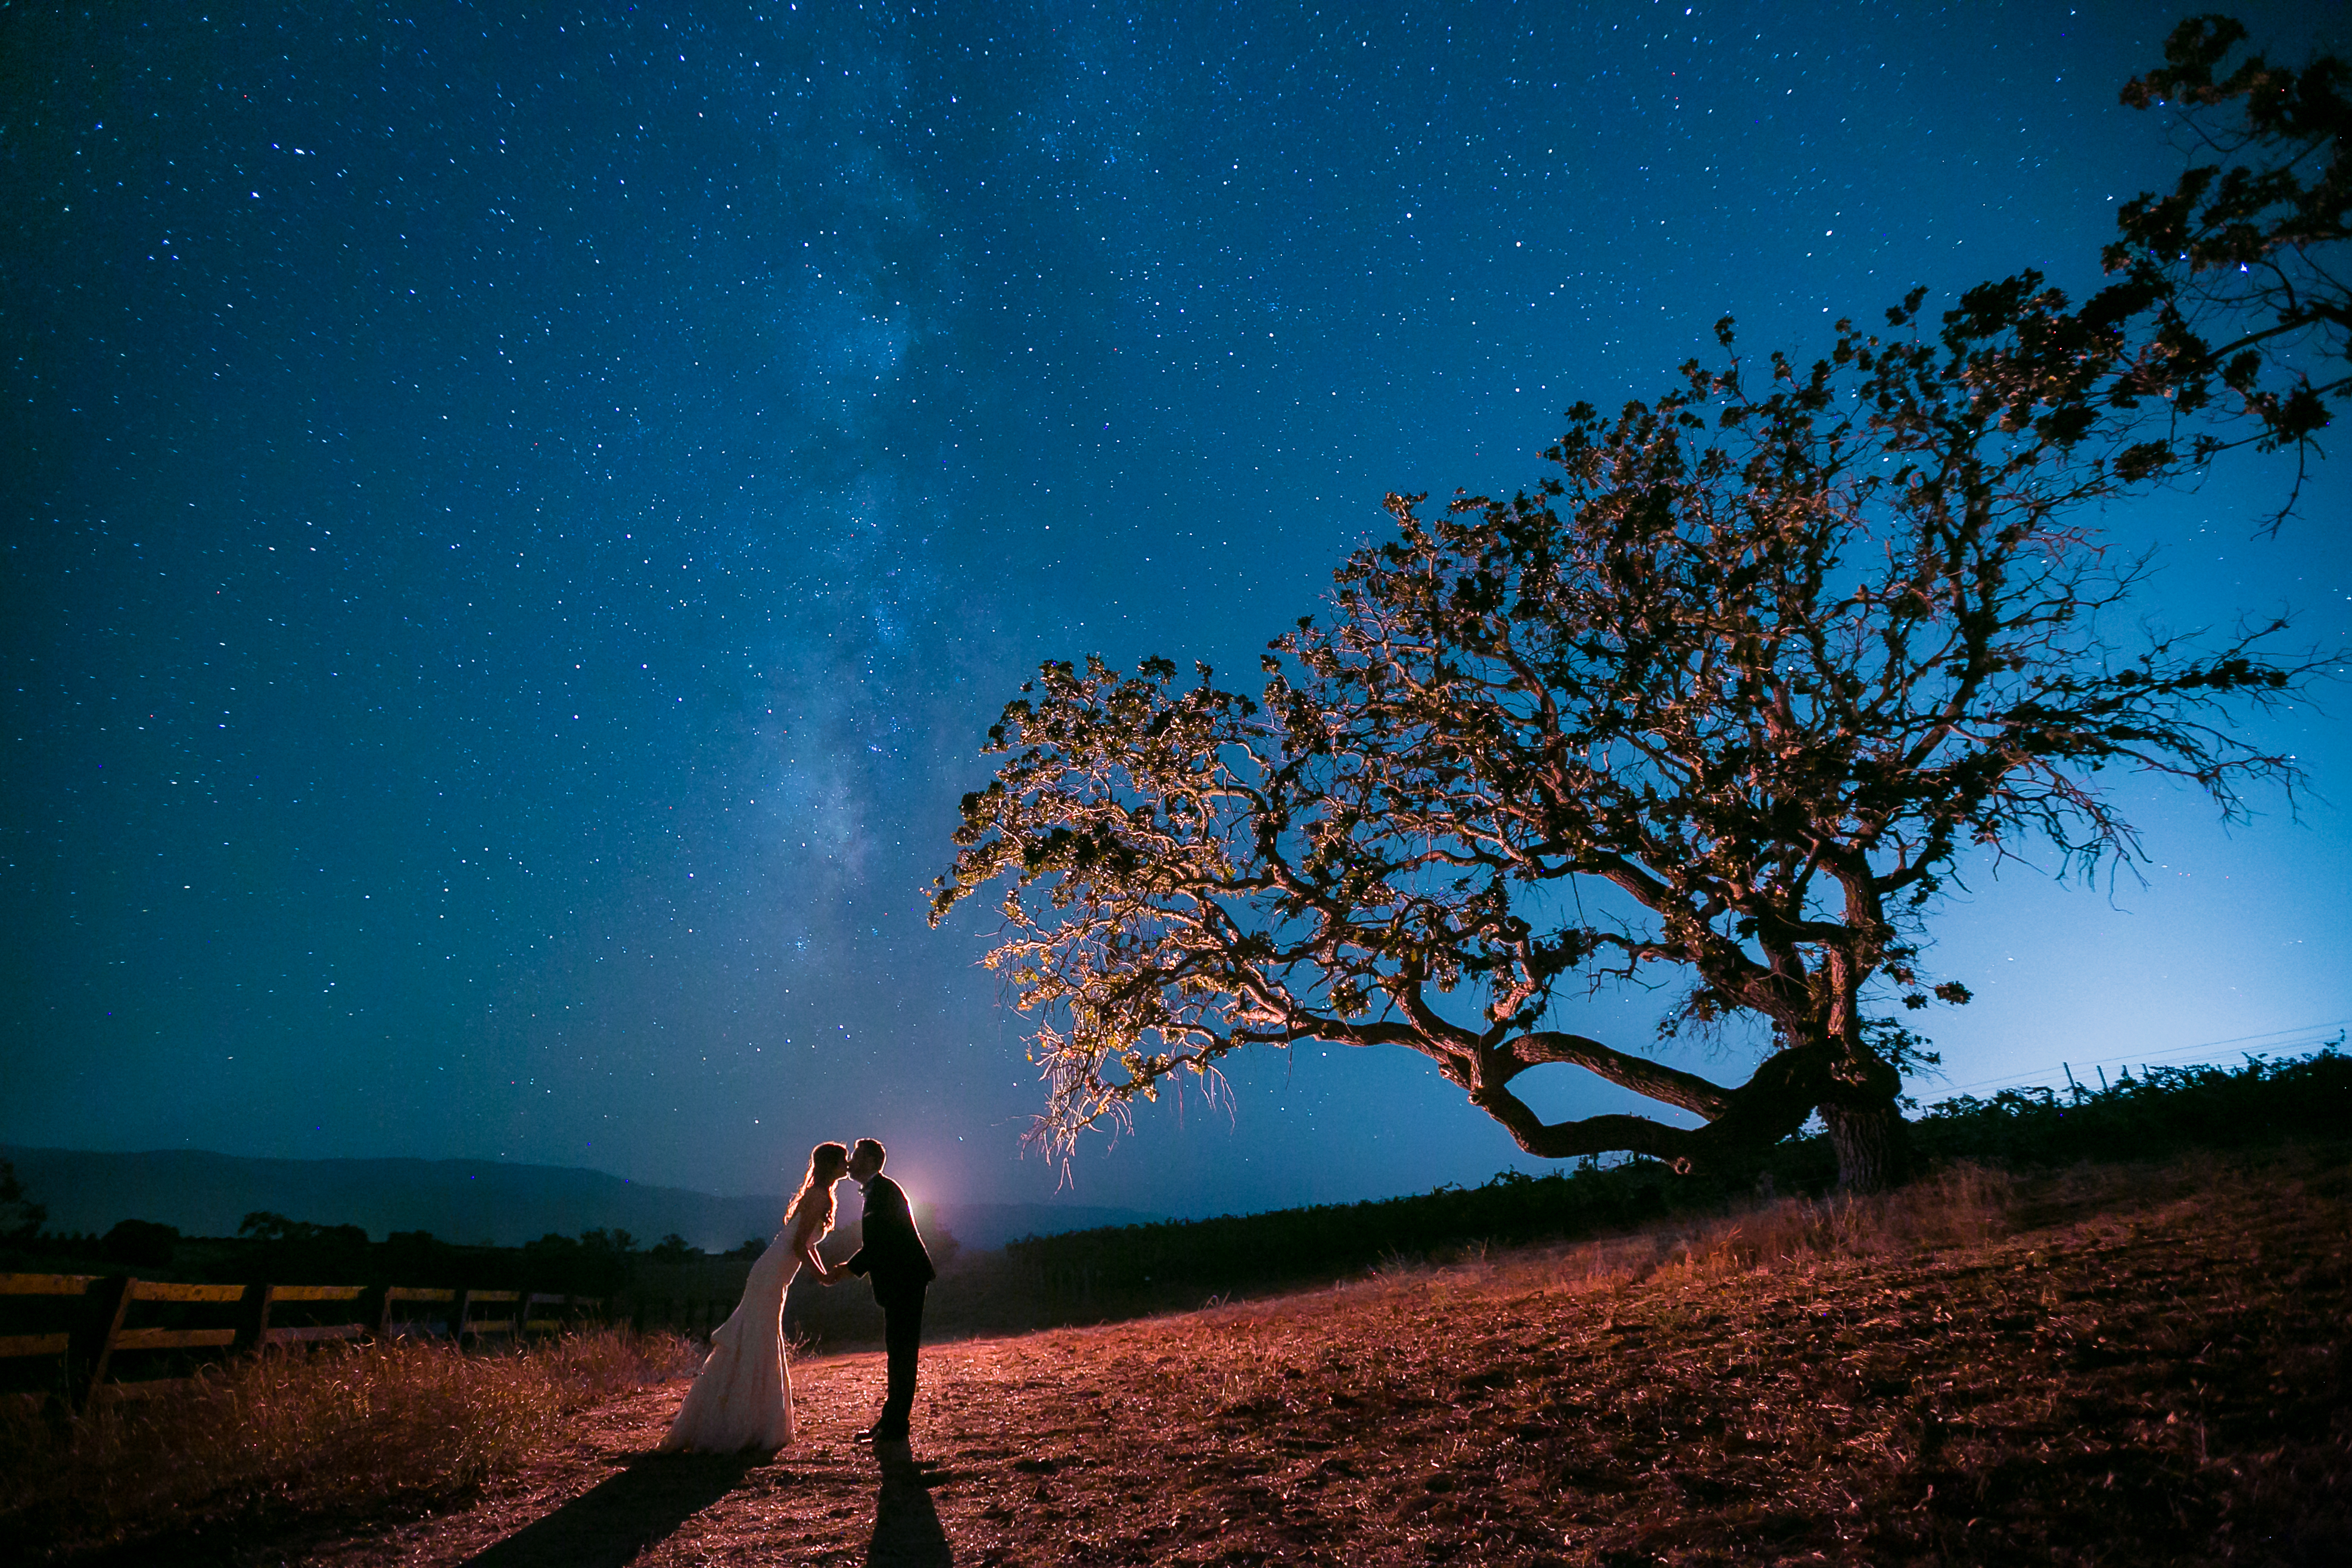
(253, 1319)
(372, 1309)
(457, 1316)
(93, 1342)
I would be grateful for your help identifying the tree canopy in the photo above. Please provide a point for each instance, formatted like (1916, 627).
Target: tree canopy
(1726, 695)
(2239, 266)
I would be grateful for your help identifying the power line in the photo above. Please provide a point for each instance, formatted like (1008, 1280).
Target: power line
(2276, 1041)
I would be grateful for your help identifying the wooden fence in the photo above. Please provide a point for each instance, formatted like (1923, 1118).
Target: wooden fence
(90, 1326)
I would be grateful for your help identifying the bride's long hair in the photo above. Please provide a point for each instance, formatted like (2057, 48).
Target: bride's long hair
(828, 1162)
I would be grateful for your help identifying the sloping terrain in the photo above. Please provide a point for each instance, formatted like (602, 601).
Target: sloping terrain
(2140, 1366)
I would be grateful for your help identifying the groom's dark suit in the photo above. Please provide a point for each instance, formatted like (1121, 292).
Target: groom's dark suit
(891, 1254)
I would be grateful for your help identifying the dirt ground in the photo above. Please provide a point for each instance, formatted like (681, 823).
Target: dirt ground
(2159, 1381)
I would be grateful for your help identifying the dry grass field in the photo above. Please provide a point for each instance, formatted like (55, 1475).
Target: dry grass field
(303, 1441)
(2112, 1365)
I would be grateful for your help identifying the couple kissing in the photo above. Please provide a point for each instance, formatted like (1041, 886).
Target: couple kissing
(742, 1397)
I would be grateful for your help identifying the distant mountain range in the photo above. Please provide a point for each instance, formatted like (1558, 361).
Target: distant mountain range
(468, 1201)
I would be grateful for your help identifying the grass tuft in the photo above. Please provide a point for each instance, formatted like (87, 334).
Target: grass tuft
(1962, 1206)
(340, 1429)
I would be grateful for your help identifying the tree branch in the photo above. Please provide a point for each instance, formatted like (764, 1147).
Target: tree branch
(1639, 1074)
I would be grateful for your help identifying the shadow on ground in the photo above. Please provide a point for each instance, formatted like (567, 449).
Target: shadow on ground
(608, 1525)
(907, 1533)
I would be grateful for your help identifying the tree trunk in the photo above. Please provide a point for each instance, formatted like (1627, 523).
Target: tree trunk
(1872, 1144)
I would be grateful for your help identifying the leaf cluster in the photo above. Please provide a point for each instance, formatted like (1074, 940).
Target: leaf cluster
(2238, 263)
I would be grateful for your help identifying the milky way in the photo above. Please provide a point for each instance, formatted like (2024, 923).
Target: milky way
(518, 522)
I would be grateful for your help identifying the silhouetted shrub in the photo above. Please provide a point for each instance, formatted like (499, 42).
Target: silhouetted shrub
(142, 1243)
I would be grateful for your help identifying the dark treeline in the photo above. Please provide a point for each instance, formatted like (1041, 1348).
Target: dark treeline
(1330, 1239)
(2161, 1111)
(665, 1279)
(272, 1249)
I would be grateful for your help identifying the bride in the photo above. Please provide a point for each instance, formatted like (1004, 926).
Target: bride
(743, 1398)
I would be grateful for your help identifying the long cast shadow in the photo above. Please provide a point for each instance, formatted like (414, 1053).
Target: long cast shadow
(609, 1524)
(907, 1533)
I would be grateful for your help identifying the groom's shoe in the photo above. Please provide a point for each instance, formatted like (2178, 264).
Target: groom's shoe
(881, 1435)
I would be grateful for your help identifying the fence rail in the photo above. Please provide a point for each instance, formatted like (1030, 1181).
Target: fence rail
(91, 1325)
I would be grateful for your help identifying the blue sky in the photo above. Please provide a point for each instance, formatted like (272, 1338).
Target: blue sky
(523, 518)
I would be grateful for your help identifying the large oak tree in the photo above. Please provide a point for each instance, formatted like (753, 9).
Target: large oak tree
(1732, 695)
(1729, 697)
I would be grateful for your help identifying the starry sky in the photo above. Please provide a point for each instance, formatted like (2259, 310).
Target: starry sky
(518, 520)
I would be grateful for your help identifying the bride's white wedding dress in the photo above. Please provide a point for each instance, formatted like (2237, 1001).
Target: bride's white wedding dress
(742, 1397)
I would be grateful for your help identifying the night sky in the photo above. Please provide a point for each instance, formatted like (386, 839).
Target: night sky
(517, 522)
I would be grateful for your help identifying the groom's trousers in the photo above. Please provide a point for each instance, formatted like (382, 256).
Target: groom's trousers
(902, 1338)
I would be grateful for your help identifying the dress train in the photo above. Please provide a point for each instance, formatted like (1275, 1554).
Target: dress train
(742, 1397)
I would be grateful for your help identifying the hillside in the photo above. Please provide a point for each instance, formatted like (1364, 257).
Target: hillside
(2120, 1364)
(468, 1200)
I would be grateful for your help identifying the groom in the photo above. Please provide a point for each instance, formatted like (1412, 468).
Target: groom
(892, 1256)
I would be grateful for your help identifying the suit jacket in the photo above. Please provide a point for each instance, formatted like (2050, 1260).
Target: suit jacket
(891, 1254)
